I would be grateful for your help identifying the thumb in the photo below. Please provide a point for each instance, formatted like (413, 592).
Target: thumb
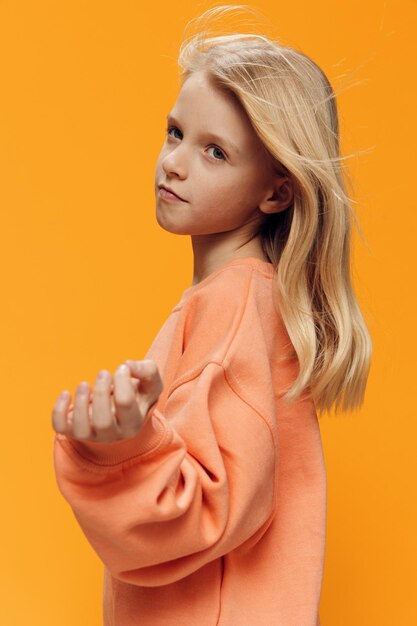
(150, 382)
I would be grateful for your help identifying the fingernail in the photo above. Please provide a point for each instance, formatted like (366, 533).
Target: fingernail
(103, 374)
(123, 369)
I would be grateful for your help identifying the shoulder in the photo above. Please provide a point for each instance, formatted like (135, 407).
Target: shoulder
(227, 282)
(231, 320)
(231, 300)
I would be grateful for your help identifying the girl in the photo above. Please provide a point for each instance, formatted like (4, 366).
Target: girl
(197, 474)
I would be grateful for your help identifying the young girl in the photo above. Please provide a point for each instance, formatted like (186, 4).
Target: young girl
(197, 473)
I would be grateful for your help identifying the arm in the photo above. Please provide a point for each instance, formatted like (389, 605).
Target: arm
(196, 482)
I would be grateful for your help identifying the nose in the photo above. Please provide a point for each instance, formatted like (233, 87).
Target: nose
(174, 163)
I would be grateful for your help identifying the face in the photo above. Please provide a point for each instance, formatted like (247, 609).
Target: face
(223, 179)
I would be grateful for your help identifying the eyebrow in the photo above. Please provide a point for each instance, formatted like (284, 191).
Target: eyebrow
(211, 136)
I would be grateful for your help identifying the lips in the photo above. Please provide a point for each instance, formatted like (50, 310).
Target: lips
(172, 191)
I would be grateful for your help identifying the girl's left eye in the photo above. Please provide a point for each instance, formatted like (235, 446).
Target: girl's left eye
(221, 152)
(214, 147)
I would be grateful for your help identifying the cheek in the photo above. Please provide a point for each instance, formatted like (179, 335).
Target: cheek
(224, 200)
(239, 192)
(224, 185)
(160, 158)
(158, 165)
(238, 180)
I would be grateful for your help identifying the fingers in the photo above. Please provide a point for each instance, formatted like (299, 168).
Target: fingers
(81, 427)
(84, 419)
(60, 413)
(150, 380)
(150, 383)
(125, 398)
(103, 416)
(111, 412)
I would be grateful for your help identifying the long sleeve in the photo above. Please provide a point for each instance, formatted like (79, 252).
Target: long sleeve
(215, 512)
(196, 482)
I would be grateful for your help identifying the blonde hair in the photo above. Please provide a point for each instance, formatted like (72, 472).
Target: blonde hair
(292, 107)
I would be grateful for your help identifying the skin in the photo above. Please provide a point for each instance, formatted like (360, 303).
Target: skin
(227, 194)
(116, 409)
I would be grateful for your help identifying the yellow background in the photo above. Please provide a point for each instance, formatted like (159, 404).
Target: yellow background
(88, 276)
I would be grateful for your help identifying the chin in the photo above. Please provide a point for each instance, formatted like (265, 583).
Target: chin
(171, 226)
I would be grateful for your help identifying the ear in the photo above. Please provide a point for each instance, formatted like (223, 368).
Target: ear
(279, 197)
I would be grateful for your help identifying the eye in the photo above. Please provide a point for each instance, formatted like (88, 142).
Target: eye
(221, 152)
(214, 147)
(171, 128)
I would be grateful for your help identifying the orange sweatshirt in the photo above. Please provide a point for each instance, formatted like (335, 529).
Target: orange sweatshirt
(214, 514)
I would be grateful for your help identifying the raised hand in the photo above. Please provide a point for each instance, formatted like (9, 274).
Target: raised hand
(117, 407)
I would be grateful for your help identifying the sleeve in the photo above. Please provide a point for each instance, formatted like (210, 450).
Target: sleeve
(195, 483)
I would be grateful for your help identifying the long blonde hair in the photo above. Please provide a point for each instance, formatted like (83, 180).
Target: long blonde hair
(292, 107)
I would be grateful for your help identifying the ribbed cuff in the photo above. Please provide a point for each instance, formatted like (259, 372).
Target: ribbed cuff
(154, 434)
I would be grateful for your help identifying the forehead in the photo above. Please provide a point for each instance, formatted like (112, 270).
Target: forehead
(201, 84)
(202, 103)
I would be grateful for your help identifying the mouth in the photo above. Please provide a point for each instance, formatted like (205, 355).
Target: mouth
(168, 193)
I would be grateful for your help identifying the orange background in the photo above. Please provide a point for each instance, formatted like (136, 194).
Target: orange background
(88, 276)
